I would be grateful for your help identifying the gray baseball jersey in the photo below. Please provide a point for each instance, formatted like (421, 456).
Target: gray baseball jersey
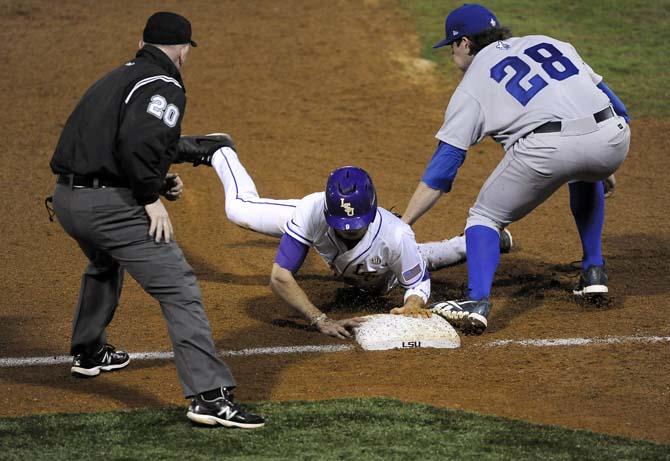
(516, 85)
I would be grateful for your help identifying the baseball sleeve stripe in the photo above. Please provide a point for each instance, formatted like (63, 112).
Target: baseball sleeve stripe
(292, 232)
(148, 80)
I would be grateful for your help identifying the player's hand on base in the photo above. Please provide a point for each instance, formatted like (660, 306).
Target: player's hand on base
(411, 311)
(414, 307)
(161, 227)
(338, 328)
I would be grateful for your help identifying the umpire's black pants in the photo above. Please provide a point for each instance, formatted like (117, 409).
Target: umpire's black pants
(113, 232)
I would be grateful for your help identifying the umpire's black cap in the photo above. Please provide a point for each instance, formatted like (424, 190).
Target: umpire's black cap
(165, 28)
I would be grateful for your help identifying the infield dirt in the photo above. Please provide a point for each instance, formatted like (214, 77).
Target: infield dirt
(305, 87)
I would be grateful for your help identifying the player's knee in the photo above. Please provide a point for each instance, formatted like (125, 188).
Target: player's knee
(478, 218)
(236, 212)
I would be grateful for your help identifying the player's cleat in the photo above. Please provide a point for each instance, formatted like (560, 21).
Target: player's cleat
(592, 282)
(222, 410)
(107, 359)
(199, 150)
(506, 241)
(467, 315)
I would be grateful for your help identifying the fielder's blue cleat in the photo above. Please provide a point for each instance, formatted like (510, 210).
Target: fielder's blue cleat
(592, 283)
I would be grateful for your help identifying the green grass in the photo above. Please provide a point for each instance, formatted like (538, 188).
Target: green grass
(335, 429)
(623, 40)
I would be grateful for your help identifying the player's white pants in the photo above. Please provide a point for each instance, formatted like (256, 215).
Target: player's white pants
(268, 216)
(442, 254)
(243, 205)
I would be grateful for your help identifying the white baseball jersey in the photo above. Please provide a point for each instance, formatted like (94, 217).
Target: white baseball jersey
(516, 85)
(387, 255)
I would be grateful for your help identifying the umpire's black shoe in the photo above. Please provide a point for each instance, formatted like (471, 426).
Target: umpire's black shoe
(199, 150)
(222, 410)
(592, 282)
(467, 315)
(108, 359)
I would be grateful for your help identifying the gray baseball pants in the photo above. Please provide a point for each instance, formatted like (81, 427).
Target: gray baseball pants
(113, 232)
(538, 164)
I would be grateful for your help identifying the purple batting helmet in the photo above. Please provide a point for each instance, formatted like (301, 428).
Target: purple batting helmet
(351, 201)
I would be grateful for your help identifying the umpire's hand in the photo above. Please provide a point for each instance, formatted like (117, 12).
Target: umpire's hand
(172, 188)
(161, 227)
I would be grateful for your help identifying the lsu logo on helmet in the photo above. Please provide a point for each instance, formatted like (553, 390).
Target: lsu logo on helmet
(348, 209)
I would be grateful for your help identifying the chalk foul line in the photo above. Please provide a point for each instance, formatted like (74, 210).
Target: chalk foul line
(281, 350)
(578, 341)
(169, 355)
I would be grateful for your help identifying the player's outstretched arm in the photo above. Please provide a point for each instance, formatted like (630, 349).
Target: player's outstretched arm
(284, 285)
(437, 179)
(423, 200)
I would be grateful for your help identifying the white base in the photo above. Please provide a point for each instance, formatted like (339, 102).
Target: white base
(386, 331)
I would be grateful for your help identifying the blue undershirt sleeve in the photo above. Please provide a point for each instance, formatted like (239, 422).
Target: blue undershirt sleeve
(617, 103)
(291, 253)
(442, 168)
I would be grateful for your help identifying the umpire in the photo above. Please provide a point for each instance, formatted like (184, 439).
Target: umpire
(112, 163)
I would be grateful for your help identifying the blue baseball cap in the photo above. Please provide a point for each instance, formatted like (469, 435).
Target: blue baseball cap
(469, 19)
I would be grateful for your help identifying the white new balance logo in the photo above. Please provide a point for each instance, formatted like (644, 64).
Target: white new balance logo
(229, 412)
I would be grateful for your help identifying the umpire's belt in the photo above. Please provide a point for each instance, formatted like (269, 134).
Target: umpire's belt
(555, 127)
(93, 182)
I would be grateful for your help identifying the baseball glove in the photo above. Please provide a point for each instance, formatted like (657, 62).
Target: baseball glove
(610, 185)
(199, 149)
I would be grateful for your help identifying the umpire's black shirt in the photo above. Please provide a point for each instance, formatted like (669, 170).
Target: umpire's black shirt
(126, 127)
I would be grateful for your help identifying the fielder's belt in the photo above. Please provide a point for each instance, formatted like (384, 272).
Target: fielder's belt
(555, 127)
